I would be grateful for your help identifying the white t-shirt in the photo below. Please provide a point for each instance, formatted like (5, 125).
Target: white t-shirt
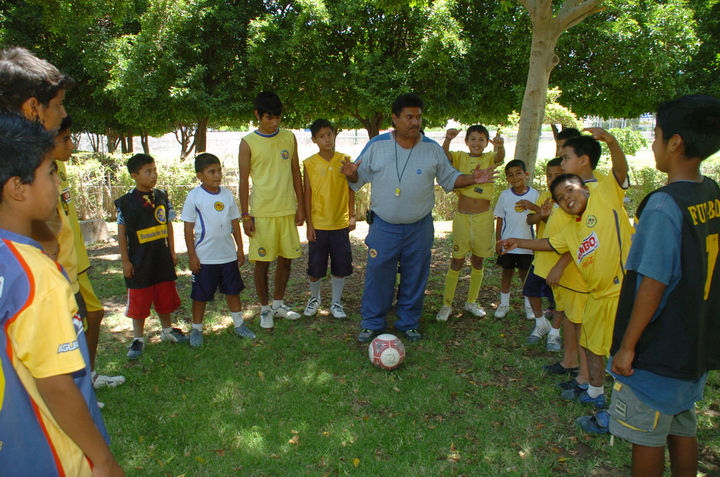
(212, 215)
(515, 221)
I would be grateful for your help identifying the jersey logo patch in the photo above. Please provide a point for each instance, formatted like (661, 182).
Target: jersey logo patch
(588, 246)
(419, 171)
(219, 206)
(591, 221)
(285, 154)
(67, 347)
(373, 253)
(262, 252)
(160, 214)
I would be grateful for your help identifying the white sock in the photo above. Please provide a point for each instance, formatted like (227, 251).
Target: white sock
(315, 288)
(505, 298)
(237, 318)
(595, 391)
(166, 331)
(277, 304)
(539, 320)
(337, 288)
(265, 308)
(140, 339)
(554, 332)
(197, 326)
(527, 303)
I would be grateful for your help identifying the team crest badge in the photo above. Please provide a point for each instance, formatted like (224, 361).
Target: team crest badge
(591, 221)
(160, 214)
(285, 154)
(518, 208)
(456, 247)
(219, 206)
(419, 171)
(262, 252)
(373, 253)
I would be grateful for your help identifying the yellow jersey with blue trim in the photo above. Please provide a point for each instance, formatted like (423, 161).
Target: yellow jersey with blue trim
(330, 191)
(68, 206)
(273, 194)
(599, 240)
(465, 163)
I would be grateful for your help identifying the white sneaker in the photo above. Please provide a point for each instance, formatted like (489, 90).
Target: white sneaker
(444, 313)
(539, 331)
(529, 313)
(266, 319)
(502, 310)
(475, 309)
(553, 344)
(312, 307)
(101, 381)
(337, 311)
(284, 311)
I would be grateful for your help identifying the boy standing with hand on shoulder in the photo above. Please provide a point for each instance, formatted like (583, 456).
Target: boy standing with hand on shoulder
(147, 250)
(667, 327)
(330, 213)
(214, 245)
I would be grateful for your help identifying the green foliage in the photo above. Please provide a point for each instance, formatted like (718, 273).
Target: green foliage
(631, 141)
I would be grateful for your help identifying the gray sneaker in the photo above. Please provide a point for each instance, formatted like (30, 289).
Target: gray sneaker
(245, 332)
(312, 307)
(539, 331)
(196, 338)
(136, 348)
(284, 311)
(553, 344)
(266, 318)
(175, 336)
(337, 311)
(366, 335)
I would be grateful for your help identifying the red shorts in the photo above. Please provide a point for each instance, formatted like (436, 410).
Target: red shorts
(162, 295)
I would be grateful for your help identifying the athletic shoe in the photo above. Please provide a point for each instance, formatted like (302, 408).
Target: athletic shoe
(529, 313)
(196, 338)
(244, 332)
(501, 311)
(598, 402)
(557, 368)
(444, 313)
(135, 350)
(175, 336)
(539, 331)
(573, 385)
(102, 381)
(266, 319)
(366, 335)
(337, 311)
(312, 307)
(597, 424)
(476, 310)
(100, 405)
(554, 344)
(413, 335)
(284, 311)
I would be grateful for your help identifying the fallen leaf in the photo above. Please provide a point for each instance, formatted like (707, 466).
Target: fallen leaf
(156, 389)
(220, 452)
(200, 459)
(261, 375)
(396, 389)
(294, 439)
(356, 462)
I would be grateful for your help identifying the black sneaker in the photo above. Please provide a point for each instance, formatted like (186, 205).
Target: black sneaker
(572, 384)
(557, 368)
(135, 350)
(413, 335)
(366, 335)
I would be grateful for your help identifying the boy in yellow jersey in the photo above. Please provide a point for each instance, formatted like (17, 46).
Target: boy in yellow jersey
(49, 419)
(535, 287)
(272, 214)
(473, 221)
(330, 213)
(598, 240)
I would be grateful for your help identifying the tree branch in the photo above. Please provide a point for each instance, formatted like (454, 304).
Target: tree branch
(573, 12)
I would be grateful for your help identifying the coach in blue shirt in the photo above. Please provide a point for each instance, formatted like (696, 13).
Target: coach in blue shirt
(402, 166)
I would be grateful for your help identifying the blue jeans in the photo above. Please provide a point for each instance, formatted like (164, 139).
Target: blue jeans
(408, 245)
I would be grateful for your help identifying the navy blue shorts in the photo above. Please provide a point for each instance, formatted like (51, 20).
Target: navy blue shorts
(536, 286)
(336, 245)
(207, 280)
(509, 261)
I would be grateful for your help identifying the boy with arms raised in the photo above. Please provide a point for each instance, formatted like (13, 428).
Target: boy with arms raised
(147, 250)
(667, 327)
(49, 418)
(472, 224)
(511, 217)
(330, 213)
(272, 214)
(214, 244)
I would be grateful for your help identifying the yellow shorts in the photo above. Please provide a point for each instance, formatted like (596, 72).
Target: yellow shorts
(598, 323)
(274, 237)
(570, 302)
(92, 302)
(473, 233)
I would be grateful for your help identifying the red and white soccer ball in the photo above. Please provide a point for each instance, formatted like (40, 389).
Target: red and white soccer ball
(386, 351)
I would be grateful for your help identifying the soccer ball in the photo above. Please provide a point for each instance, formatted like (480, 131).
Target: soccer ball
(386, 351)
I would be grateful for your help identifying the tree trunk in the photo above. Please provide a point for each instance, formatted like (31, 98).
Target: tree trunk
(113, 140)
(555, 133)
(201, 135)
(129, 142)
(372, 125)
(145, 142)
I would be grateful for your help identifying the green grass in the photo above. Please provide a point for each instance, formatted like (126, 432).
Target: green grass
(469, 399)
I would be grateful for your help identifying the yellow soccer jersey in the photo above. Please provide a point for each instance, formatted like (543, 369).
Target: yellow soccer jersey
(465, 163)
(330, 192)
(273, 194)
(68, 207)
(598, 241)
(67, 256)
(545, 195)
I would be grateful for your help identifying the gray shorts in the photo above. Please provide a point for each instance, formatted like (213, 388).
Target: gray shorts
(638, 423)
